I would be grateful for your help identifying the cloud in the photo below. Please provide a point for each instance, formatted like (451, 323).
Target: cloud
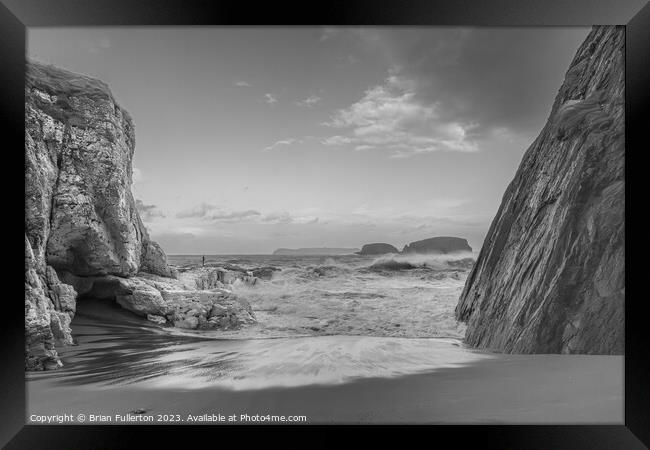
(336, 141)
(282, 143)
(284, 217)
(390, 116)
(232, 215)
(206, 214)
(278, 217)
(242, 84)
(270, 99)
(310, 101)
(206, 211)
(490, 77)
(147, 212)
(198, 211)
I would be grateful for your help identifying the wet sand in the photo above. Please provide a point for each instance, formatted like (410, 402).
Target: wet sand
(112, 371)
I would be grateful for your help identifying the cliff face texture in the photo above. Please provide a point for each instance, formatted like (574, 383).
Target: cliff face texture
(80, 215)
(550, 275)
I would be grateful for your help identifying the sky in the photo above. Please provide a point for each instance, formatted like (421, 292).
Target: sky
(250, 139)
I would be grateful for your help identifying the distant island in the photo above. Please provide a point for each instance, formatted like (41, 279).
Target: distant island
(435, 245)
(314, 251)
(438, 245)
(377, 249)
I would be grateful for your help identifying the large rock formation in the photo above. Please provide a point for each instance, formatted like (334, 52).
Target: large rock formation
(550, 275)
(80, 215)
(438, 245)
(377, 249)
(169, 301)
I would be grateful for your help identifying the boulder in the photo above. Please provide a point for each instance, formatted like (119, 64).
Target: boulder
(160, 320)
(216, 309)
(189, 322)
(154, 260)
(142, 299)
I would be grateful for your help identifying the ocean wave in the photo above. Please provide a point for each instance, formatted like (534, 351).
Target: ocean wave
(391, 264)
(329, 270)
(390, 295)
(432, 262)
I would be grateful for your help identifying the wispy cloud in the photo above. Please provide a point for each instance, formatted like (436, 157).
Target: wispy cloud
(282, 143)
(284, 217)
(310, 101)
(390, 116)
(278, 217)
(148, 212)
(242, 84)
(232, 215)
(270, 99)
(205, 214)
(336, 141)
(197, 211)
(206, 211)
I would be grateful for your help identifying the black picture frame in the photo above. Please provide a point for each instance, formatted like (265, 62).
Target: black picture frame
(16, 15)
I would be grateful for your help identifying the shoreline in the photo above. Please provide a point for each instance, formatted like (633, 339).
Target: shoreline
(118, 366)
(570, 390)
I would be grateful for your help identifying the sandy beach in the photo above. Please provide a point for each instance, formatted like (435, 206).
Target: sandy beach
(120, 366)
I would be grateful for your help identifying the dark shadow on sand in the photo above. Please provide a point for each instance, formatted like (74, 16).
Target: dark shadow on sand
(116, 347)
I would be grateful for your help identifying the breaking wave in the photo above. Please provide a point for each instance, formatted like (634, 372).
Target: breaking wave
(352, 295)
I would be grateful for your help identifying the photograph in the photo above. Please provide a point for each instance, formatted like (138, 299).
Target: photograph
(325, 225)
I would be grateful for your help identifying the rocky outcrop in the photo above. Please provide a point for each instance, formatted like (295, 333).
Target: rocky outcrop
(550, 275)
(45, 326)
(377, 249)
(169, 301)
(80, 215)
(206, 278)
(438, 245)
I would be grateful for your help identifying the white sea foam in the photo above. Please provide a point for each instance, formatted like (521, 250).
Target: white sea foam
(290, 362)
(354, 295)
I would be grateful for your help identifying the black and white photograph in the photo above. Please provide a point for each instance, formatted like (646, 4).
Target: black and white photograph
(324, 225)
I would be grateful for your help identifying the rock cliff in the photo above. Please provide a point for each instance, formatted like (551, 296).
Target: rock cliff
(438, 245)
(80, 215)
(377, 249)
(550, 275)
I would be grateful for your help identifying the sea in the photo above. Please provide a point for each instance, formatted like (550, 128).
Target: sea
(409, 296)
(340, 339)
(328, 320)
